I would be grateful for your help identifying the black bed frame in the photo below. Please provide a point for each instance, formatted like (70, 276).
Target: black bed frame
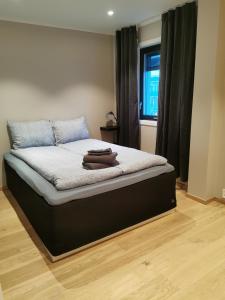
(72, 225)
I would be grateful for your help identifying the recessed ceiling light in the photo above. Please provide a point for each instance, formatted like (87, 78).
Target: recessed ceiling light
(110, 13)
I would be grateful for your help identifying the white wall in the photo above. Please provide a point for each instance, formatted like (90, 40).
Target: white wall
(150, 31)
(148, 132)
(207, 159)
(48, 73)
(216, 177)
(148, 138)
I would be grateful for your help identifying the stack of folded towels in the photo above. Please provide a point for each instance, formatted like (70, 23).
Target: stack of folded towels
(100, 159)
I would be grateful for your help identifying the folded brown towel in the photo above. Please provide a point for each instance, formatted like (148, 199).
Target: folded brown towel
(104, 159)
(100, 151)
(98, 166)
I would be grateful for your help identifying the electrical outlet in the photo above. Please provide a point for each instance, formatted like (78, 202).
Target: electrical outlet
(223, 193)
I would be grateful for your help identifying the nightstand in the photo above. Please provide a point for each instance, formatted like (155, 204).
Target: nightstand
(110, 134)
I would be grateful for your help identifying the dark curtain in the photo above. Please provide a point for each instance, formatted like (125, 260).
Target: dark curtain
(178, 43)
(126, 87)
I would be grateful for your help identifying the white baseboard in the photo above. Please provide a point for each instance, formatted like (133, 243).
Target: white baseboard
(201, 200)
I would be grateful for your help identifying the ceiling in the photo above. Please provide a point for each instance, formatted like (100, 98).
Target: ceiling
(86, 15)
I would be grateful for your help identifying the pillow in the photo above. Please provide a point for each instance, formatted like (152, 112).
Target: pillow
(31, 134)
(70, 130)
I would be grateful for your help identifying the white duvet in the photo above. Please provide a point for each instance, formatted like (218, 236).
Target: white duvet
(62, 165)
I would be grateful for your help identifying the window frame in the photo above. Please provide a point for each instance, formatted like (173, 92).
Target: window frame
(152, 49)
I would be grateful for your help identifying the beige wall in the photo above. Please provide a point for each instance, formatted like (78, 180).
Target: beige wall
(148, 132)
(207, 159)
(49, 73)
(150, 31)
(216, 178)
(148, 138)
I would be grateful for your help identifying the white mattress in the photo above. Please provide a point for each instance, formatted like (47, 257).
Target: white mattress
(54, 197)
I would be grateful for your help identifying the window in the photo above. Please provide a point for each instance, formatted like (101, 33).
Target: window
(149, 82)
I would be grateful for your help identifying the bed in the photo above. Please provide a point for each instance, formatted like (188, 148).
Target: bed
(69, 220)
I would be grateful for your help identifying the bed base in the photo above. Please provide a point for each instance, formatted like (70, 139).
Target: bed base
(53, 258)
(59, 257)
(38, 242)
(71, 227)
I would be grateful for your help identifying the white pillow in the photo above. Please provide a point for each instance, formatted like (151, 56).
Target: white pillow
(31, 134)
(70, 130)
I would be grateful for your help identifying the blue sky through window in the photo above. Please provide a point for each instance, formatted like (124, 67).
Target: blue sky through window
(151, 85)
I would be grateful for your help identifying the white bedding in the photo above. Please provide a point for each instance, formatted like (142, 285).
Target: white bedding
(62, 165)
(131, 160)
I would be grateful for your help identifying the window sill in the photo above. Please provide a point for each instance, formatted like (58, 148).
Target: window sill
(149, 123)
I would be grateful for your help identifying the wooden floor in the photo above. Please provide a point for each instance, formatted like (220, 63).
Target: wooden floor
(179, 257)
